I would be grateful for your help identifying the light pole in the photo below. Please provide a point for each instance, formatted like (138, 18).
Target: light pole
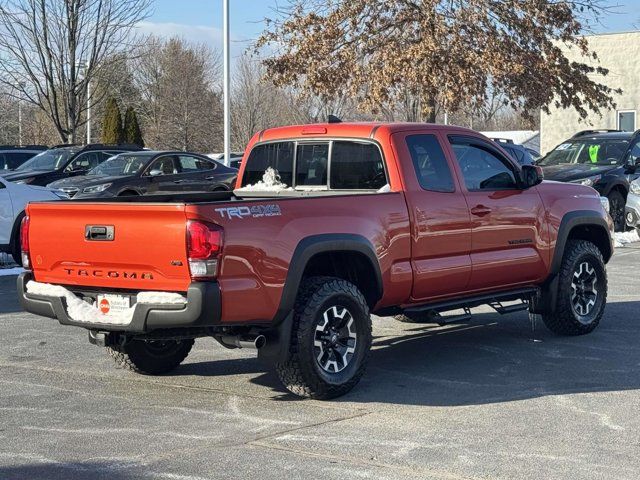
(21, 85)
(88, 107)
(226, 84)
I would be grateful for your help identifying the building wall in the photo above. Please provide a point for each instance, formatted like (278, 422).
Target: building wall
(620, 53)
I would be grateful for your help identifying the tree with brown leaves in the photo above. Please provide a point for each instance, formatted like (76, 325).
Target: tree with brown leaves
(428, 54)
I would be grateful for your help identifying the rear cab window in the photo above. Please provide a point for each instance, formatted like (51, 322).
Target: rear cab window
(317, 165)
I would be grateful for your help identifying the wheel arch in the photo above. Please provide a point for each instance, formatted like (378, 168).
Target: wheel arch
(15, 230)
(584, 225)
(333, 255)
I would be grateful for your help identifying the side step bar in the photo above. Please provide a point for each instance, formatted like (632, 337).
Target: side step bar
(494, 300)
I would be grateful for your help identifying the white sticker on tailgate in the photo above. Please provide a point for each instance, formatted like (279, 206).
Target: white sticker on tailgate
(110, 304)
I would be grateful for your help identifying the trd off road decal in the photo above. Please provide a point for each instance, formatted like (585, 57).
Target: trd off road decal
(255, 211)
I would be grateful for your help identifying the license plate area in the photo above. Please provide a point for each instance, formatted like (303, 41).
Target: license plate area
(109, 304)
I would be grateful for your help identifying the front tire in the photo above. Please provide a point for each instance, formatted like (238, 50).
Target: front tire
(330, 339)
(154, 357)
(582, 290)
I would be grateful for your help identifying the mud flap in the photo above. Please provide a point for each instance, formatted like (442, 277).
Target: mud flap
(278, 338)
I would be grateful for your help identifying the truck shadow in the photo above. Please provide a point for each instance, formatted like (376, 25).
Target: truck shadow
(495, 359)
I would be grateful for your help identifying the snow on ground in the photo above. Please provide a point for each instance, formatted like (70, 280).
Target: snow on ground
(623, 238)
(270, 183)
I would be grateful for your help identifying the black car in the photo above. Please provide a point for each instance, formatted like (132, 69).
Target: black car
(519, 153)
(12, 156)
(150, 173)
(64, 161)
(606, 160)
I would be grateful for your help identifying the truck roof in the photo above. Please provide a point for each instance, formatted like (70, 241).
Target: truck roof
(352, 130)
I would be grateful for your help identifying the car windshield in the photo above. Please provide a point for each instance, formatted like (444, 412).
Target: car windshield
(588, 151)
(120, 165)
(48, 160)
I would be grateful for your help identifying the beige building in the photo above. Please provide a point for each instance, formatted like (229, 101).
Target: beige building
(620, 53)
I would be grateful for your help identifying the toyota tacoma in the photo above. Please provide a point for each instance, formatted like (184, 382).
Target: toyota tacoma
(328, 224)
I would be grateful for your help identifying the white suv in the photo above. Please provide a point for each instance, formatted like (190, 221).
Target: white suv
(14, 197)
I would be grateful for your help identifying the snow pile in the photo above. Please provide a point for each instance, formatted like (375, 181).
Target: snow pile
(623, 238)
(270, 182)
(81, 311)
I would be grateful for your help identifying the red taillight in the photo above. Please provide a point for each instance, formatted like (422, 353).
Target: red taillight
(204, 244)
(24, 242)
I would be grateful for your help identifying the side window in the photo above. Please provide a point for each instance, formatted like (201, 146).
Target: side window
(165, 165)
(634, 154)
(311, 164)
(481, 168)
(15, 159)
(278, 156)
(430, 163)
(85, 161)
(194, 164)
(356, 166)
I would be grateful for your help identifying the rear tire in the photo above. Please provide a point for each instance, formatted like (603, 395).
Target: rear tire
(582, 290)
(330, 339)
(617, 208)
(151, 357)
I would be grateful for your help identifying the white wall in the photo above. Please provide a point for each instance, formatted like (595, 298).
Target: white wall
(620, 53)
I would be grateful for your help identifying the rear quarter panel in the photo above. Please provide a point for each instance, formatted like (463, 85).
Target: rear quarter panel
(258, 250)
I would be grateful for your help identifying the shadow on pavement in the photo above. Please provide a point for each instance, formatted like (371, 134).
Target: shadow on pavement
(76, 470)
(494, 359)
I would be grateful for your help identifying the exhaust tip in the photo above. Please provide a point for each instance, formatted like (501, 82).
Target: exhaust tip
(260, 341)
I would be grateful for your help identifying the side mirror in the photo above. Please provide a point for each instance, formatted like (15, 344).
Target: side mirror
(532, 175)
(155, 173)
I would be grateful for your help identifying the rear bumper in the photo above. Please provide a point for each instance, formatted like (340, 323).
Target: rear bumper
(203, 309)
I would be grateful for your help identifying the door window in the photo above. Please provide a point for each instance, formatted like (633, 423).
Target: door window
(278, 156)
(165, 165)
(194, 164)
(430, 163)
(481, 168)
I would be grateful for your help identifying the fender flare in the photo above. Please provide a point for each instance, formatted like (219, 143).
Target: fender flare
(567, 224)
(15, 230)
(279, 335)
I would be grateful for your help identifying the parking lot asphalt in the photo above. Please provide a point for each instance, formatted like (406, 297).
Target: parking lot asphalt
(466, 401)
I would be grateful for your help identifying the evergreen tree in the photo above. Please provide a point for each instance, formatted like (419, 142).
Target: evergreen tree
(112, 124)
(132, 132)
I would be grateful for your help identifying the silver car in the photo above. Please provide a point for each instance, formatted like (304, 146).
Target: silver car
(632, 210)
(14, 198)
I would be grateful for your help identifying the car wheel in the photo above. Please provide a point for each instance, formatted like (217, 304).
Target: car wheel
(16, 247)
(330, 340)
(151, 357)
(582, 291)
(616, 209)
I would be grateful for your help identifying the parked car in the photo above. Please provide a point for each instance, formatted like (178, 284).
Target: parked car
(519, 153)
(328, 223)
(13, 200)
(632, 209)
(606, 160)
(12, 156)
(149, 172)
(64, 161)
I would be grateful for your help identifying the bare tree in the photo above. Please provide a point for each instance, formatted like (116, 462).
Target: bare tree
(181, 105)
(52, 49)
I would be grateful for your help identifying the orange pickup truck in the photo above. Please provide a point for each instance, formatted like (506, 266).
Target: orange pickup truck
(328, 223)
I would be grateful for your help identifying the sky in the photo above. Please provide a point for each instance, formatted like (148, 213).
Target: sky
(201, 20)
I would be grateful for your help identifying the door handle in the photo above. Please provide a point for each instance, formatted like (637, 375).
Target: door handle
(178, 181)
(480, 210)
(210, 178)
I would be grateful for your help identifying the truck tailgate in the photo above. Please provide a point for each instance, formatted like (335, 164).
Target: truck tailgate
(147, 250)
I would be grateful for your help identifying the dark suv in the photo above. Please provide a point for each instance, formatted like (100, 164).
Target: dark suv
(12, 156)
(606, 160)
(64, 161)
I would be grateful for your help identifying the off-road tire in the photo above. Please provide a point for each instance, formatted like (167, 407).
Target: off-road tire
(301, 372)
(142, 357)
(564, 319)
(617, 210)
